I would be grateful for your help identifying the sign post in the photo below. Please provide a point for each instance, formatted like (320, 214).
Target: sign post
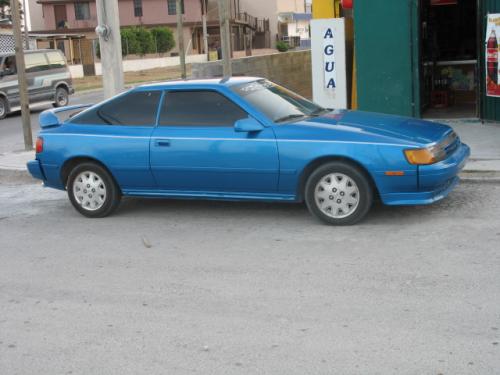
(329, 73)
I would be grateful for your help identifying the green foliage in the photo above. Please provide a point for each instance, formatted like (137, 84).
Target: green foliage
(130, 44)
(164, 39)
(140, 41)
(282, 46)
(145, 41)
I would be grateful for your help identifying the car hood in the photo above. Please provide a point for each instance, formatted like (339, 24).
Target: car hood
(387, 126)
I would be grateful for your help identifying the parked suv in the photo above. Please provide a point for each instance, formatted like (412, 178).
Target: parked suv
(47, 75)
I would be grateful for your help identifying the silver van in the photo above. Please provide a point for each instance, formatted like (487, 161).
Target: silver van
(47, 75)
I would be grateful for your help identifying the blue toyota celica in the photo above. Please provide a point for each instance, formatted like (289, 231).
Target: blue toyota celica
(243, 139)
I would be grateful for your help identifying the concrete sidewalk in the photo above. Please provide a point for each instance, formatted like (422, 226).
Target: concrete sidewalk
(484, 140)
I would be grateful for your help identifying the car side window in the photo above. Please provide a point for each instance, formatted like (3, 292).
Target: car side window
(36, 62)
(9, 66)
(199, 108)
(136, 108)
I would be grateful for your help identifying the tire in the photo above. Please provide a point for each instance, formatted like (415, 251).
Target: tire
(3, 108)
(338, 193)
(92, 190)
(61, 97)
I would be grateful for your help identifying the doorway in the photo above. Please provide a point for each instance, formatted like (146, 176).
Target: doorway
(60, 16)
(449, 54)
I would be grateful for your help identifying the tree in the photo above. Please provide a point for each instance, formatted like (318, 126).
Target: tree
(164, 39)
(5, 9)
(145, 42)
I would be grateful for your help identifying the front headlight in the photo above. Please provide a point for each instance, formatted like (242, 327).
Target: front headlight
(425, 156)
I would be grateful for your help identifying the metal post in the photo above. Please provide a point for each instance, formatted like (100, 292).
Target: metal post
(224, 36)
(180, 38)
(110, 46)
(205, 32)
(21, 76)
(26, 35)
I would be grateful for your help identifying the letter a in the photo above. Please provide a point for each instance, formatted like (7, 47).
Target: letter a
(331, 84)
(332, 66)
(328, 34)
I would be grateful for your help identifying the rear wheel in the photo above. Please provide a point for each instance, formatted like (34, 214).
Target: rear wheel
(338, 193)
(61, 98)
(3, 108)
(92, 190)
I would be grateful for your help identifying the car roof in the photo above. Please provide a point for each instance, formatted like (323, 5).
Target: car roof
(202, 82)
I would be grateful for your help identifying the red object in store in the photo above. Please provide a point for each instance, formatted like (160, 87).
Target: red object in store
(443, 2)
(347, 4)
(492, 57)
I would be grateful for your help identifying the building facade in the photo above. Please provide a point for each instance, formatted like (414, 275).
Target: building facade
(80, 17)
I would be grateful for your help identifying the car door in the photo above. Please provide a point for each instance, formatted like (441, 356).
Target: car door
(117, 133)
(196, 148)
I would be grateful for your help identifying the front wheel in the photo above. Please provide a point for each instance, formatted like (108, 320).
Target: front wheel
(3, 108)
(92, 190)
(61, 98)
(338, 193)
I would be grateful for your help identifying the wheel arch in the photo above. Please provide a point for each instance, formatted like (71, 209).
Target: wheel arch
(71, 163)
(63, 84)
(314, 164)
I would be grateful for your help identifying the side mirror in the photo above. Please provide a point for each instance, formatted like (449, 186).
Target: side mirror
(248, 125)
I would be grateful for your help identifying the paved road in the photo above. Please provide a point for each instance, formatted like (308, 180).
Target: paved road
(182, 287)
(11, 132)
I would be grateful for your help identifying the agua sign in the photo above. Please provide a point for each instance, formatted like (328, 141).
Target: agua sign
(328, 52)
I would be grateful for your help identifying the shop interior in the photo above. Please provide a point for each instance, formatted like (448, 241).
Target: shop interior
(449, 58)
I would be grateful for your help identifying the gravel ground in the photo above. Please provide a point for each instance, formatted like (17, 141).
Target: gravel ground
(182, 287)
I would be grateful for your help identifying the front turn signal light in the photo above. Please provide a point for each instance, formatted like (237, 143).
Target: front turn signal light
(421, 156)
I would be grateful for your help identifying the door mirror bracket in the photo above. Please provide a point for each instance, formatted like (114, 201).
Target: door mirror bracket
(248, 125)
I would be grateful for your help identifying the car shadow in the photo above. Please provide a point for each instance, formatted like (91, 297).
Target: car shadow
(379, 214)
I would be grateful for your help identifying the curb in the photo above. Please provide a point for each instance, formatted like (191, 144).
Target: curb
(13, 176)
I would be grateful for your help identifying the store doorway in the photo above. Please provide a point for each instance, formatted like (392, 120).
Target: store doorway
(449, 51)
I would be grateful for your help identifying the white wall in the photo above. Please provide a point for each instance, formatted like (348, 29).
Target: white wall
(141, 64)
(35, 16)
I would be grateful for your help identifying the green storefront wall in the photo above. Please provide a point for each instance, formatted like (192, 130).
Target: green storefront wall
(387, 57)
(386, 45)
(490, 107)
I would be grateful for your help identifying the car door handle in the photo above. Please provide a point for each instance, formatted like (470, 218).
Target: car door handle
(162, 142)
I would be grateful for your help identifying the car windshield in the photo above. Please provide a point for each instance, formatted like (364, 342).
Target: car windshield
(276, 102)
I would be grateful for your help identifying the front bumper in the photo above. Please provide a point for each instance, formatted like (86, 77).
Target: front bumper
(435, 181)
(35, 169)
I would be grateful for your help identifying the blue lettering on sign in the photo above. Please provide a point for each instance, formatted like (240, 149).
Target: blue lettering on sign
(328, 34)
(329, 50)
(329, 66)
(331, 84)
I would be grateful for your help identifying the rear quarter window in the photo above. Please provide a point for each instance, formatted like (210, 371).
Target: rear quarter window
(136, 108)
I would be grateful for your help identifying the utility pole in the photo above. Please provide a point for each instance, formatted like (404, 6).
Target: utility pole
(26, 35)
(110, 44)
(224, 36)
(180, 38)
(21, 75)
(204, 21)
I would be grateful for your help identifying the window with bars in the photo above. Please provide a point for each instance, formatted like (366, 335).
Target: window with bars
(138, 8)
(172, 7)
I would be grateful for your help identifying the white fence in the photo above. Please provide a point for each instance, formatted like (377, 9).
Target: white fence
(141, 64)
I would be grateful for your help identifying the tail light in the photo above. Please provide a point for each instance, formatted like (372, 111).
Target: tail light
(39, 145)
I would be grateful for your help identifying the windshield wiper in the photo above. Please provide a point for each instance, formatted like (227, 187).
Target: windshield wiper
(319, 112)
(289, 117)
